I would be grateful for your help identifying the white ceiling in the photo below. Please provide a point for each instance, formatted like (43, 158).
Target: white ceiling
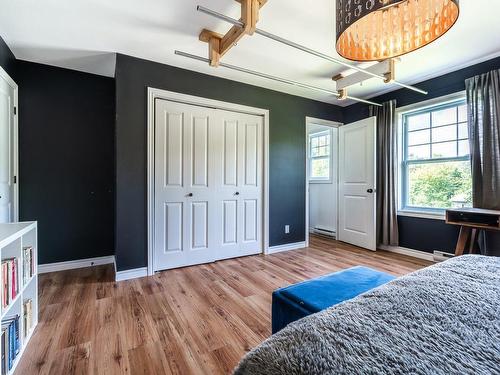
(85, 34)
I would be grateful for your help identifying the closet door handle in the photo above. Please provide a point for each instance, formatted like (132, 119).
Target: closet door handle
(190, 195)
(370, 191)
(237, 193)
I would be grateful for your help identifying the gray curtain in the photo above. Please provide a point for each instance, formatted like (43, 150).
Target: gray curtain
(483, 102)
(483, 105)
(387, 135)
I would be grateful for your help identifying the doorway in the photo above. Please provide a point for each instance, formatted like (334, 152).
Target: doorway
(8, 149)
(321, 177)
(340, 180)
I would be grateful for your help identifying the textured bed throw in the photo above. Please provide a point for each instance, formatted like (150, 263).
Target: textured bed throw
(444, 319)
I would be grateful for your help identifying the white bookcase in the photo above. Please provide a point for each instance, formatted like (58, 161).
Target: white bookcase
(14, 237)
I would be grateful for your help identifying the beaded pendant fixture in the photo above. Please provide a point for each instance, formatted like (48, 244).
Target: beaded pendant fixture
(371, 30)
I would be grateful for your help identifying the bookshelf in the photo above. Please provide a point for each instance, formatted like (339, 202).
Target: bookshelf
(19, 294)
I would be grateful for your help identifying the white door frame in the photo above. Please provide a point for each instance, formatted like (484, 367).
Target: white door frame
(154, 94)
(13, 85)
(331, 124)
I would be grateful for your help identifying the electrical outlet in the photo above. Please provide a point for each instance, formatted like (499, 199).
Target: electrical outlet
(287, 229)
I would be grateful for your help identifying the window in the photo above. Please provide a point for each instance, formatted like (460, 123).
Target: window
(436, 172)
(319, 156)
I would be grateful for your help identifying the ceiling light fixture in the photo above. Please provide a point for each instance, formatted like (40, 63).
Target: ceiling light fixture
(370, 30)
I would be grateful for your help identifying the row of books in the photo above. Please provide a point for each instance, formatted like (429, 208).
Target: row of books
(27, 316)
(10, 280)
(28, 264)
(11, 343)
(11, 275)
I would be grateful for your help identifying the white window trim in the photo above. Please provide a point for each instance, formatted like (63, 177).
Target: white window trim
(320, 180)
(436, 214)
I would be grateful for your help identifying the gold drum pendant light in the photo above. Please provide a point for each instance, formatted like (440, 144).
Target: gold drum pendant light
(371, 30)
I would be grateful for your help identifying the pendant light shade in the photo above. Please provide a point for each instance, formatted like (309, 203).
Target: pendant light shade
(370, 30)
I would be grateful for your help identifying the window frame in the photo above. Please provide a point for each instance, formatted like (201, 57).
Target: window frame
(320, 180)
(454, 100)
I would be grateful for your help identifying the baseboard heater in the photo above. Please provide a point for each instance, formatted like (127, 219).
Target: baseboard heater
(441, 256)
(324, 232)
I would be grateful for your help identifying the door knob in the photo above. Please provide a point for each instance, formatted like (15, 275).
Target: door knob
(190, 194)
(237, 193)
(370, 191)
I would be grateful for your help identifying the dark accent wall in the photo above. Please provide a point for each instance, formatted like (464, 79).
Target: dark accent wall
(426, 234)
(287, 148)
(66, 156)
(415, 233)
(7, 59)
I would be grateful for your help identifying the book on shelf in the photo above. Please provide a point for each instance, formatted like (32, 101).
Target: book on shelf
(28, 264)
(27, 316)
(11, 343)
(10, 280)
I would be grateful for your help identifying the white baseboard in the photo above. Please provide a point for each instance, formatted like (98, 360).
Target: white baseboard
(73, 264)
(287, 247)
(410, 252)
(134, 273)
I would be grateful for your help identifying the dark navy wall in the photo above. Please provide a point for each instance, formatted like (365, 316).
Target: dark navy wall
(287, 148)
(415, 233)
(66, 160)
(7, 59)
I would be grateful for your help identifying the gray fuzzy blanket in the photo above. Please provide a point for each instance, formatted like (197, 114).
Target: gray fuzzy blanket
(444, 319)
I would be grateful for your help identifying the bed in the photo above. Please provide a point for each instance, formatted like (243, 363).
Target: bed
(444, 319)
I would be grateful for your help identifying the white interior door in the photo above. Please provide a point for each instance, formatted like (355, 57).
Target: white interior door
(357, 177)
(8, 152)
(208, 184)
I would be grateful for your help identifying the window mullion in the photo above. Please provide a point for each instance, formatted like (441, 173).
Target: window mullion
(430, 135)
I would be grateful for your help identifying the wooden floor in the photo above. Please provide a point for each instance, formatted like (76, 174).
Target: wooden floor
(196, 320)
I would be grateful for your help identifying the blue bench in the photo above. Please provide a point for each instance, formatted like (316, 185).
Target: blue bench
(308, 297)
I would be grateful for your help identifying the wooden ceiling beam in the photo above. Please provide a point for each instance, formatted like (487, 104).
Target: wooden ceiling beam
(386, 68)
(219, 45)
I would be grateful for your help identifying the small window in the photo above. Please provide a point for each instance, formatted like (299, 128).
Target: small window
(436, 172)
(319, 156)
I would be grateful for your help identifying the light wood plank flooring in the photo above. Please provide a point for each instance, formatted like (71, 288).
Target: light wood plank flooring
(195, 320)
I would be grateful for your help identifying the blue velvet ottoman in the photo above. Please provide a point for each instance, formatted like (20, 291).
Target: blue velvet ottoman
(308, 297)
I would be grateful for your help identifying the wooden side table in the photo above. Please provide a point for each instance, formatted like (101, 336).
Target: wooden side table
(471, 222)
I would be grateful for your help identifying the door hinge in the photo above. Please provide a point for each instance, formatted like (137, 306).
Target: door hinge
(15, 179)
(15, 110)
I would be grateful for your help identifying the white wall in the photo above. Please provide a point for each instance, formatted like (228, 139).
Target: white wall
(323, 196)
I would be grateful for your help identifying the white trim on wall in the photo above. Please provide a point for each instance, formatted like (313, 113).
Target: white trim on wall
(134, 273)
(424, 104)
(422, 215)
(4, 75)
(287, 247)
(409, 252)
(316, 121)
(73, 264)
(199, 101)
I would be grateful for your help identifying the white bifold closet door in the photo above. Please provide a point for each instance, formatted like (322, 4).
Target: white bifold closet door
(208, 184)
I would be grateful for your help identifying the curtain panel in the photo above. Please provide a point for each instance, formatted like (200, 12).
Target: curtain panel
(483, 106)
(483, 102)
(387, 160)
